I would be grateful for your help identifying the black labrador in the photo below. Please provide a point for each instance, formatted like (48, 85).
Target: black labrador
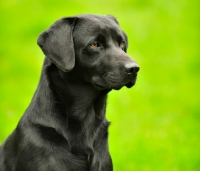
(64, 127)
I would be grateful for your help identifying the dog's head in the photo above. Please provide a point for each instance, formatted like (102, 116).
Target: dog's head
(94, 47)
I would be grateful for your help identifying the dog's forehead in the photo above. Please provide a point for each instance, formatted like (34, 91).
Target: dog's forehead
(96, 23)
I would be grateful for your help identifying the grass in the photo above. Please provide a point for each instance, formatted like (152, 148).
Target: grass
(155, 125)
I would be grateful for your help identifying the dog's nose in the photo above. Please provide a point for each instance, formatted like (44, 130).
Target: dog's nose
(131, 67)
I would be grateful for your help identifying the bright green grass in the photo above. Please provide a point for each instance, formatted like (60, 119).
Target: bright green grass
(156, 124)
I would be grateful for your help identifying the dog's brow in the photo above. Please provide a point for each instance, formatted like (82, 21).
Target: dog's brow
(116, 33)
(100, 37)
(118, 37)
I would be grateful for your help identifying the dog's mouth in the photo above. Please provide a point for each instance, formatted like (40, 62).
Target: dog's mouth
(132, 82)
(114, 82)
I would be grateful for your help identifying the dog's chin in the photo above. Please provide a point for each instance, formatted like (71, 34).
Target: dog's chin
(130, 84)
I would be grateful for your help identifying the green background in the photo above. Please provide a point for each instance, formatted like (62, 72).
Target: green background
(156, 124)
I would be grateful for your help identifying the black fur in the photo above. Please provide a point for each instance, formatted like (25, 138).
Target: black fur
(64, 127)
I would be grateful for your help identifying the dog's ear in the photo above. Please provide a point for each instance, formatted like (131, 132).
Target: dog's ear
(57, 43)
(112, 18)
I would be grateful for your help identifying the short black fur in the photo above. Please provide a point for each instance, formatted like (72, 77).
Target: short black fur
(65, 128)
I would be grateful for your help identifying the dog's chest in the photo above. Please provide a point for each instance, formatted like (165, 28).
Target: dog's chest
(90, 139)
(87, 134)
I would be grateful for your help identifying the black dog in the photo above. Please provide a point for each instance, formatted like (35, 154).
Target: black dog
(64, 128)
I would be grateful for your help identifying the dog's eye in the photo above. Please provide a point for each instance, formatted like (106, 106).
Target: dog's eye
(121, 45)
(95, 45)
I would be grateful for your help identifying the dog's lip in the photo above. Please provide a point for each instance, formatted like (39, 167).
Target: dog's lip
(131, 82)
(101, 87)
(122, 82)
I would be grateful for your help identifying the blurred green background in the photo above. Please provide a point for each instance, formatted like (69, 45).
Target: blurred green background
(156, 124)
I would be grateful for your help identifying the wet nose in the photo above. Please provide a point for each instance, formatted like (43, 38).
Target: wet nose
(131, 68)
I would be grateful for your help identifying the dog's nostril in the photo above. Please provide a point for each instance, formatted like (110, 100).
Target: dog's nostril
(131, 68)
(136, 69)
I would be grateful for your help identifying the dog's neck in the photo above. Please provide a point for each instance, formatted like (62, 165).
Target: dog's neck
(74, 99)
(79, 97)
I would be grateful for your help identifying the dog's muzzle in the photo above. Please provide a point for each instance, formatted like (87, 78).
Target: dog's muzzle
(125, 75)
